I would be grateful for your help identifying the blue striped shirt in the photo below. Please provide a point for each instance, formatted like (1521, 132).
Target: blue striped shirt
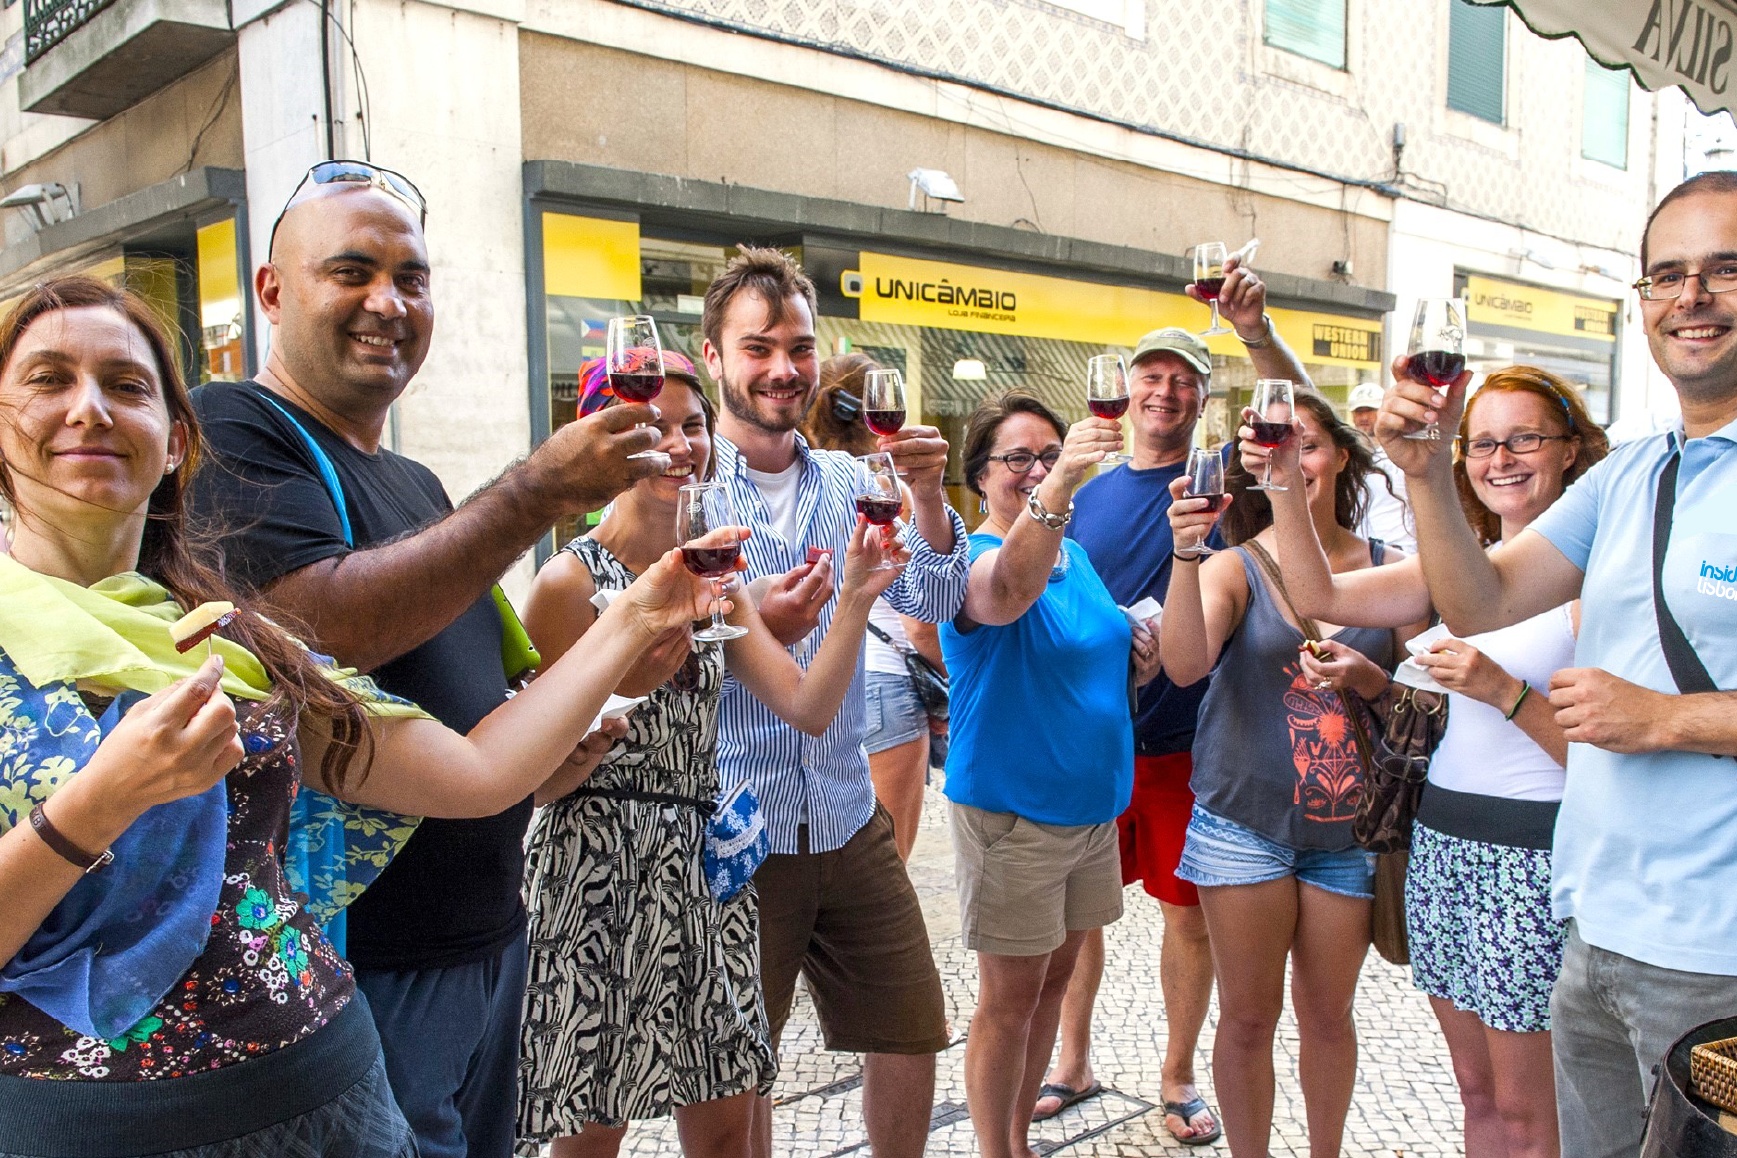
(791, 771)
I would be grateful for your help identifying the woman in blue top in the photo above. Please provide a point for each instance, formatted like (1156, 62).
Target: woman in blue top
(1042, 751)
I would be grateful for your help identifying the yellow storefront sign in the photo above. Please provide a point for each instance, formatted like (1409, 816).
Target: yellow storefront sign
(590, 257)
(1526, 307)
(912, 292)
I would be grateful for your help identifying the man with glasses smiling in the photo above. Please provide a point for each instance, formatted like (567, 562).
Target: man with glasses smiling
(362, 549)
(1645, 857)
(1120, 518)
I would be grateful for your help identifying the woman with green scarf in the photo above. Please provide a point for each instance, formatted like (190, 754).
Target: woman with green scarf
(162, 988)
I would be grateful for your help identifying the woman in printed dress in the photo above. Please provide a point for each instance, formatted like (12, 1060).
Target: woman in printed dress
(1485, 945)
(1277, 781)
(644, 996)
(225, 1025)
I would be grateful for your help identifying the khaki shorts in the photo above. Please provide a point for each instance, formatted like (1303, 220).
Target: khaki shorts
(1023, 886)
(849, 922)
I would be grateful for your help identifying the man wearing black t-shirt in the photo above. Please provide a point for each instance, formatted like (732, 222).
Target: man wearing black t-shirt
(397, 583)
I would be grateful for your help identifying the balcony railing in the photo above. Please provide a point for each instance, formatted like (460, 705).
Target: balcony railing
(48, 22)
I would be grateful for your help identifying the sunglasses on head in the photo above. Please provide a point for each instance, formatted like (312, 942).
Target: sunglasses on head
(356, 173)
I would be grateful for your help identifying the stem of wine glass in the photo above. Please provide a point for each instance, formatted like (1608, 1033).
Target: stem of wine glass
(1216, 324)
(717, 604)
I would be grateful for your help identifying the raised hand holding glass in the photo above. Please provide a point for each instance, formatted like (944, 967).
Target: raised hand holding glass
(1437, 352)
(1205, 481)
(1209, 259)
(1107, 392)
(1275, 407)
(635, 364)
(710, 536)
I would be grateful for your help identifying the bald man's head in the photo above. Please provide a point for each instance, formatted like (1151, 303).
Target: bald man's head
(347, 286)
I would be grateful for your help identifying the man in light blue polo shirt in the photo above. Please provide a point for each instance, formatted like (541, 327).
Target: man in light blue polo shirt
(1646, 841)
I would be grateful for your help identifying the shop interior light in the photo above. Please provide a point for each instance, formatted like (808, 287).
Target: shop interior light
(933, 184)
(45, 204)
(970, 370)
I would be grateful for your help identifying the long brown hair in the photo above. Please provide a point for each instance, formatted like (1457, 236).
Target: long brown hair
(1563, 401)
(1251, 513)
(823, 428)
(186, 561)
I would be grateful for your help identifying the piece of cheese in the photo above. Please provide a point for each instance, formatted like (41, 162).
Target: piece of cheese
(199, 623)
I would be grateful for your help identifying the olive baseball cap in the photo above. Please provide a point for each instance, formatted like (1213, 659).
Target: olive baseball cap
(1175, 340)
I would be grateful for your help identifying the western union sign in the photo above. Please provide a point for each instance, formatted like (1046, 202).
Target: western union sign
(1526, 307)
(906, 291)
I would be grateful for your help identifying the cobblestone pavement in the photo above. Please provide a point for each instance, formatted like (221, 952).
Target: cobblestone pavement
(1405, 1105)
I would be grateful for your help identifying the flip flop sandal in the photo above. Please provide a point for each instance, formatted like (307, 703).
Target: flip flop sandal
(1188, 1111)
(1067, 1095)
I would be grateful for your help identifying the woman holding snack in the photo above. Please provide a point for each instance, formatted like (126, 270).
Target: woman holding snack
(1042, 662)
(1277, 780)
(1484, 944)
(139, 777)
(644, 996)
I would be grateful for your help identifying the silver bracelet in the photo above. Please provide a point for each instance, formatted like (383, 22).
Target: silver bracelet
(1265, 340)
(1047, 517)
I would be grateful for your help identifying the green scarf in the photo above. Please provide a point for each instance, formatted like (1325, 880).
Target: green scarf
(114, 634)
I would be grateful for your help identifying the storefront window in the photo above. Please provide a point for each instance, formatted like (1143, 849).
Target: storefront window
(959, 333)
(222, 304)
(1511, 323)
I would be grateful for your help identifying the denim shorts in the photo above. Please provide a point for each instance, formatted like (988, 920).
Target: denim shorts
(1223, 852)
(895, 714)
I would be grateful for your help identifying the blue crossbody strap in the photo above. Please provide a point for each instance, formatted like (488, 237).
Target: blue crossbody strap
(322, 463)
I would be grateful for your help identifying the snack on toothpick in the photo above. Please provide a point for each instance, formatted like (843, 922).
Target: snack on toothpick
(199, 624)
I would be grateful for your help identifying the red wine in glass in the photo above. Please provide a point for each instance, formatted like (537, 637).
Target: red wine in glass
(712, 562)
(884, 421)
(636, 387)
(877, 510)
(1111, 408)
(1210, 287)
(1272, 434)
(1216, 498)
(1436, 367)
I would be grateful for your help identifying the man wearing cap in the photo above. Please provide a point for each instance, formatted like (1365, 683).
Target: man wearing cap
(1386, 514)
(361, 549)
(1120, 518)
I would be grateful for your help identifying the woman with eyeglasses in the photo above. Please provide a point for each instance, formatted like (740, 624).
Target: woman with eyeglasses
(1277, 778)
(162, 987)
(1484, 944)
(644, 997)
(1043, 664)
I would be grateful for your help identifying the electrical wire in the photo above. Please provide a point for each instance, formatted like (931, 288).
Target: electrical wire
(364, 114)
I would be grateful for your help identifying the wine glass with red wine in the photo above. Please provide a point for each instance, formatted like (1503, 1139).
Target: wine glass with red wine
(1437, 353)
(709, 535)
(1209, 258)
(1275, 406)
(879, 497)
(1205, 481)
(1107, 391)
(635, 365)
(883, 401)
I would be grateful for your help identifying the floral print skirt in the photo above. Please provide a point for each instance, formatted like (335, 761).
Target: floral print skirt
(1478, 918)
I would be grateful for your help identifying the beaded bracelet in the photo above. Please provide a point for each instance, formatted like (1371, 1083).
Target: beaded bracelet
(1525, 690)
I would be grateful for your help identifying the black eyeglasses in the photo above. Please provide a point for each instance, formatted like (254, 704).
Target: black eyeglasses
(1021, 461)
(1515, 444)
(356, 173)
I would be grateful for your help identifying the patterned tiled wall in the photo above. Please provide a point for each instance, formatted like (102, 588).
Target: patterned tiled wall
(1202, 72)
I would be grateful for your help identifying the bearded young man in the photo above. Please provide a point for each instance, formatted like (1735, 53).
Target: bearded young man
(836, 905)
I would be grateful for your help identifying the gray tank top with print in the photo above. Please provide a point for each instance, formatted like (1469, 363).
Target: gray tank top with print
(1272, 752)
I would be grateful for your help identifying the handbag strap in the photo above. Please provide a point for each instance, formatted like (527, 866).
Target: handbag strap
(1312, 632)
(1307, 626)
(1686, 667)
(882, 636)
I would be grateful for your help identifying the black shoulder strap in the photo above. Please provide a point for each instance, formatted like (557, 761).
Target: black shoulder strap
(880, 635)
(1686, 667)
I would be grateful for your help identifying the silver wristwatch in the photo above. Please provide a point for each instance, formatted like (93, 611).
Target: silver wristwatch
(1053, 521)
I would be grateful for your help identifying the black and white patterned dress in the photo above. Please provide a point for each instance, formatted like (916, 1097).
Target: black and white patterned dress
(644, 991)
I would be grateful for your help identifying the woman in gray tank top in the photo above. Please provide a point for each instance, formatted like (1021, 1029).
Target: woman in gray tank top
(1276, 781)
